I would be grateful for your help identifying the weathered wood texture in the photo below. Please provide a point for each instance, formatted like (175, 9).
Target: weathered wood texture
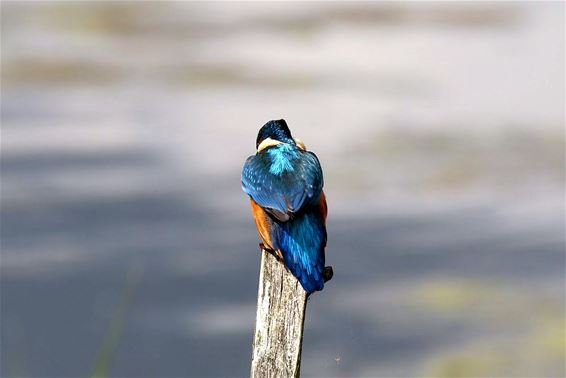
(281, 305)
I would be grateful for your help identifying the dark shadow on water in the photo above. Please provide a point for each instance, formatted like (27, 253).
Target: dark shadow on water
(53, 322)
(39, 163)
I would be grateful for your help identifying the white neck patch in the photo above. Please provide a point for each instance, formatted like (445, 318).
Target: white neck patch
(268, 142)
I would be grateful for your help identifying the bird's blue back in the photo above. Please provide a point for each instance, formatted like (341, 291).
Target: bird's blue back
(287, 182)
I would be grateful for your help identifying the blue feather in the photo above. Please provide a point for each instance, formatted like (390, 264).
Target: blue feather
(282, 178)
(302, 241)
(287, 182)
(282, 158)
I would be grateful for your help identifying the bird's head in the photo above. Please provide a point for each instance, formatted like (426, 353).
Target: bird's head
(274, 133)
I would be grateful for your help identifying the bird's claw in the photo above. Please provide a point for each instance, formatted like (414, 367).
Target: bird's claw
(327, 273)
(270, 251)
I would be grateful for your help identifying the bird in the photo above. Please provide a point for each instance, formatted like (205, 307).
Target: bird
(285, 184)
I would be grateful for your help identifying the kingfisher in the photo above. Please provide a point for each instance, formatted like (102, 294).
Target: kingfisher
(284, 182)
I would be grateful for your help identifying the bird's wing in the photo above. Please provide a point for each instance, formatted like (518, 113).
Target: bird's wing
(282, 195)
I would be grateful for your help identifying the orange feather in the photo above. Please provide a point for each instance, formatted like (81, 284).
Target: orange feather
(323, 208)
(263, 226)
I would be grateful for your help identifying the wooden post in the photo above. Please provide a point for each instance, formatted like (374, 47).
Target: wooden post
(280, 319)
(281, 305)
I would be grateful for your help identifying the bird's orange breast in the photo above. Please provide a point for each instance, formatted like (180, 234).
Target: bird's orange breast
(323, 207)
(262, 224)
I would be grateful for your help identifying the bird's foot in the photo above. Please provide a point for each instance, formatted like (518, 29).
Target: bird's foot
(328, 273)
(270, 251)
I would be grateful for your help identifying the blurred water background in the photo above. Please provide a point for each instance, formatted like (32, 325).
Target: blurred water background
(128, 248)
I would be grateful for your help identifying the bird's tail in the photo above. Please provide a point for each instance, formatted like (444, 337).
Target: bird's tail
(302, 241)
